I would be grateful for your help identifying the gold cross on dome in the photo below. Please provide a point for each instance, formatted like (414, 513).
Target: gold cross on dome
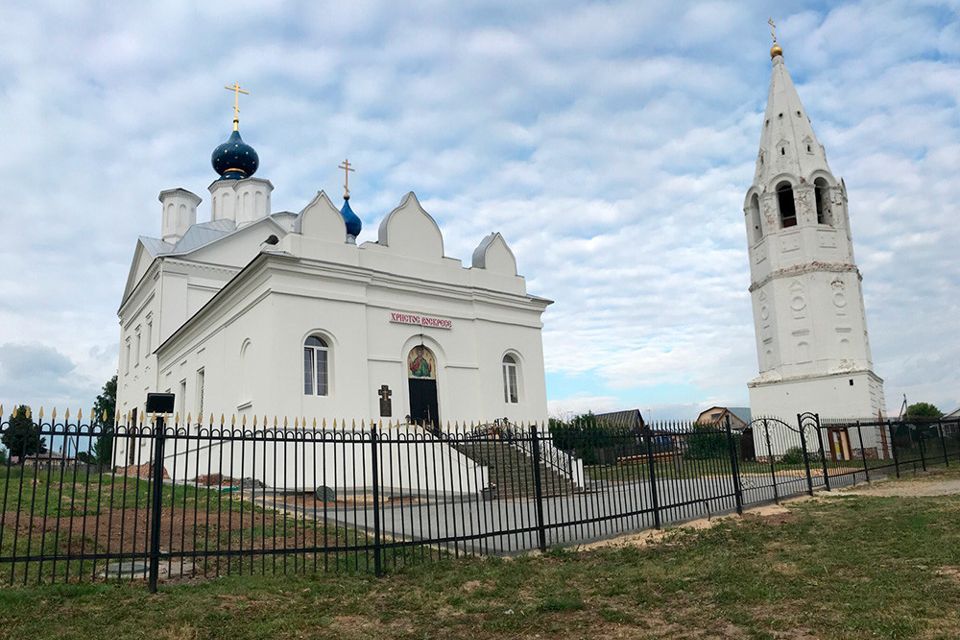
(236, 102)
(773, 29)
(347, 168)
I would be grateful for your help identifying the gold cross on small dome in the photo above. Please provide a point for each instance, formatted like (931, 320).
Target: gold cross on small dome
(236, 102)
(347, 168)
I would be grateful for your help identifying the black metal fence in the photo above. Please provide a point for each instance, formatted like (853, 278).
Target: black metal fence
(361, 498)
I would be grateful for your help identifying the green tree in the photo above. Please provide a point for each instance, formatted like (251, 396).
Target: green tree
(923, 410)
(22, 437)
(104, 410)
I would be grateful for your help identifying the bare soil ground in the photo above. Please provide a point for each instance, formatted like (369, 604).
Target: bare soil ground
(124, 531)
(770, 514)
(934, 484)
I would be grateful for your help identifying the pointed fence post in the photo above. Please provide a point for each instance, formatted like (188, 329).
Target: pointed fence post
(823, 454)
(773, 470)
(806, 456)
(156, 502)
(893, 448)
(734, 467)
(375, 480)
(923, 448)
(653, 479)
(863, 452)
(538, 489)
(943, 443)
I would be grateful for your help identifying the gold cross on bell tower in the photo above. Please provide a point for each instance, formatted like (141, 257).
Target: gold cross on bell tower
(776, 49)
(236, 102)
(347, 168)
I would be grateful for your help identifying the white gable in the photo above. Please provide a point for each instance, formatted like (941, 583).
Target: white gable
(495, 256)
(410, 231)
(239, 247)
(320, 219)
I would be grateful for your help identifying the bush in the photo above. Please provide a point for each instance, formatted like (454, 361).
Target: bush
(584, 437)
(793, 455)
(708, 442)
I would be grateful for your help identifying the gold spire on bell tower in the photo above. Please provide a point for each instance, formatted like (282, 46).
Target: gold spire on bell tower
(347, 168)
(236, 102)
(776, 49)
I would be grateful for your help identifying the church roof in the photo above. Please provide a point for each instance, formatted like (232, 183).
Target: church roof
(204, 233)
(788, 144)
(155, 246)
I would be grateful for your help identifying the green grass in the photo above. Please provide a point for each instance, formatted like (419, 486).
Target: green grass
(847, 567)
(49, 513)
(56, 493)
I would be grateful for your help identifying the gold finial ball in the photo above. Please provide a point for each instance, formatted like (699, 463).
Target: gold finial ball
(776, 50)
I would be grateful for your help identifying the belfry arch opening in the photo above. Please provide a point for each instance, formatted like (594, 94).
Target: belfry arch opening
(753, 211)
(822, 194)
(786, 204)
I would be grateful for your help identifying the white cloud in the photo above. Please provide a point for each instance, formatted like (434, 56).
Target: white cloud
(611, 143)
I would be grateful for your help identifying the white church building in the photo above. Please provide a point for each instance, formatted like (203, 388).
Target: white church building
(260, 313)
(808, 310)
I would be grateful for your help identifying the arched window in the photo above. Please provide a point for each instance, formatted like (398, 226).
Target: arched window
(822, 193)
(511, 385)
(788, 209)
(754, 209)
(316, 381)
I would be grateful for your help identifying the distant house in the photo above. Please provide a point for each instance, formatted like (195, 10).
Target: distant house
(953, 415)
(48, 458)
(739, 416)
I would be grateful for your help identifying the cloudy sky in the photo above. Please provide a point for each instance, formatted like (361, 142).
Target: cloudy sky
(611, 144)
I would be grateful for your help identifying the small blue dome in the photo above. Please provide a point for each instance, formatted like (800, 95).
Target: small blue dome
(235, 159)
(352, 220)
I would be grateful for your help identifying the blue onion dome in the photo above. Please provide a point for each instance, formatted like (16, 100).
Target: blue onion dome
(352, 220)
(235, 159)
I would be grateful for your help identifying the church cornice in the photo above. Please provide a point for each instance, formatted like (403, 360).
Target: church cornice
(383, 279)
(810, 267)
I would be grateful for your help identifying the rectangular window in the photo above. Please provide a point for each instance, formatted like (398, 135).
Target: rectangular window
(127, 358)
(149, 338)
(137, 354)
(321, 372)
(200, 377)
(308, 371)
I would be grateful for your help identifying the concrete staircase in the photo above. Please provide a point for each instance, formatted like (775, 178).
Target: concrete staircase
(511, 470)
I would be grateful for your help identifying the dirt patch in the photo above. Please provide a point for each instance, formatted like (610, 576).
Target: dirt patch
(774, 514)
(912, 489)
(952, 573)
(472, 585)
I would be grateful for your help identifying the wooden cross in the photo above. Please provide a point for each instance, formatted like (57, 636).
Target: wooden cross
(236, 102)
(386, 407)
(773, 29)
(347, 168)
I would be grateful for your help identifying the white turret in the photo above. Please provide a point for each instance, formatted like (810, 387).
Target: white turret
(179, 210)
(812, 344)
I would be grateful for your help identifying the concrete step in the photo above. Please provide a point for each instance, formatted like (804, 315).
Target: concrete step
(512, 471)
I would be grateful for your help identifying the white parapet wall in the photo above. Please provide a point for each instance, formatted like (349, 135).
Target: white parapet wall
(407, 460)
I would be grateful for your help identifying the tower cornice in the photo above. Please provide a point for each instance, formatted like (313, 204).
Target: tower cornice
(810, 267)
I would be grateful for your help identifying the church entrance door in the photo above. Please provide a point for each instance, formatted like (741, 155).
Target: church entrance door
(422, 383)
(423, 403)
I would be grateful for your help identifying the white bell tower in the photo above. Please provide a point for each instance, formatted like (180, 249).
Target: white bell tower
(810, 322)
